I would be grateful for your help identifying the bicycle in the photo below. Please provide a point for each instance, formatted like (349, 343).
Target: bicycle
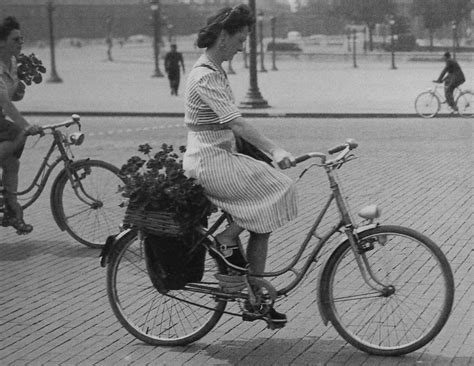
(84, 195)
(428, 103)
(387, 290)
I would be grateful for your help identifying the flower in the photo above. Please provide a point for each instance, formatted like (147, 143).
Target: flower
(158, 183)
(29, 69)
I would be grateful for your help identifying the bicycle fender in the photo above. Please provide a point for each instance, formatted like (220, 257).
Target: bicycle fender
(321, 307)
(54, 193)
(109, 245)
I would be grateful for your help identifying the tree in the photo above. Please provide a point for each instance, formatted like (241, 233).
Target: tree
(368, 12)
(432, 15)
(436, 13)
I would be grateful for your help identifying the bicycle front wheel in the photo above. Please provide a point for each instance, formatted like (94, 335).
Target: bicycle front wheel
(175, 318)
(427, 104)
(416, 303)
(90, 208)
(465, 103)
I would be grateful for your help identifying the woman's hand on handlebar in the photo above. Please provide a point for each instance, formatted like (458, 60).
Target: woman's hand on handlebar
(283, 158)
(34, 130)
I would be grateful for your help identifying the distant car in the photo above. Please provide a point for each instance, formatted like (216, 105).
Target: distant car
(139, 38)
(284, 46)
(294, 36)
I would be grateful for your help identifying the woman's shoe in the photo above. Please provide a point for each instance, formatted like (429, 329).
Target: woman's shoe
(20, 226)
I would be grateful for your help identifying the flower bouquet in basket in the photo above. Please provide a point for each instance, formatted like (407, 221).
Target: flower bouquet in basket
(161, 199)
(167, 206)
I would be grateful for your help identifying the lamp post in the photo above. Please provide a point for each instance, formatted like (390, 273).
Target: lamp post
(170, 33)
(272, 23)
(392, 41)
(245, 55)
(365, 40)
(348, 39)
(253, 99)
(155, 8)
(54, 78)
(260, 31)
(454, 27)
(354, 36)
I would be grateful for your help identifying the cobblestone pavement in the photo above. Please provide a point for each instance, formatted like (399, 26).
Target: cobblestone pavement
(54, 308)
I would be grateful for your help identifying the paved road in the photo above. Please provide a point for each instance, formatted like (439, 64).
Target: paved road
(54, 309)
(324, 85)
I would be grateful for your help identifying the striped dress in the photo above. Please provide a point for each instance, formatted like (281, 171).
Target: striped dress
(258, 197)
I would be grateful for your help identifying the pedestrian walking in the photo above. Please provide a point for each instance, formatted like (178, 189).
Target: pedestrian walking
(173, 61)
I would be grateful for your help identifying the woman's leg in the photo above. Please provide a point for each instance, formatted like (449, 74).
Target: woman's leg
(11, 168)
(13, 215)
(229, 245)
(229, 237)
(257, 256)
(257, 252)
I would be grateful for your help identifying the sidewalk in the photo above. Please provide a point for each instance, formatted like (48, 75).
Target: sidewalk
(92, 85)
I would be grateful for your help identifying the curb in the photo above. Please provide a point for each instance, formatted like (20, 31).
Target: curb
(244, 114)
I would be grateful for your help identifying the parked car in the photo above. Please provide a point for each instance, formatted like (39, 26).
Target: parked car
(284, 47)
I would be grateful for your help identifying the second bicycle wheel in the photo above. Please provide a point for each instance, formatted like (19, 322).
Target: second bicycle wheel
(465, 103)
(90, 210)
(175, 318)
(427, 104)
(416, 303)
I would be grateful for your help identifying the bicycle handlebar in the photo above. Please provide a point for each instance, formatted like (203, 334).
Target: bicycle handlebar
(75, 119)
(349, 145)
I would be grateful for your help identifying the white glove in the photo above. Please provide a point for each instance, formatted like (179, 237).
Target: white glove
(283, 158)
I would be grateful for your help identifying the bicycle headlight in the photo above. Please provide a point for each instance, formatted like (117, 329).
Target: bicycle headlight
(76, 138)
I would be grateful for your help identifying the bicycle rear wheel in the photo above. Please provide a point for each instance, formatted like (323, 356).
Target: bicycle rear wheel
(416, 305)
(427, 104)
(94, 212)
(176, 318)
(465, 103)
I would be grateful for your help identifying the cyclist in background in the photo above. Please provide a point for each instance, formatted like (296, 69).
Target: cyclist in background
(453, 77)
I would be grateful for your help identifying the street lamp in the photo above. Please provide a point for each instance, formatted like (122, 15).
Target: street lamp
(155, 8)
(272, 22)
(454, 27)
(354, 36)
(392, 41)
(253, 99)
(348, 39)
(260, 31)
(54, 78)
(365, 40)
(170, 33)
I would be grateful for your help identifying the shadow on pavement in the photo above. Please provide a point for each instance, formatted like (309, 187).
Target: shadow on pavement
(17, 251)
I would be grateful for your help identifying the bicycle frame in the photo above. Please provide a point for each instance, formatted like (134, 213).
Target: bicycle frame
(46, 168)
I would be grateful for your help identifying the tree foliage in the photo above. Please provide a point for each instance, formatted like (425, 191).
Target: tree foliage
(369, 12)
(436, 13)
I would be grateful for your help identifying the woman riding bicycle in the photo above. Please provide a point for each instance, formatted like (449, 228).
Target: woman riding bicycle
(12, 132)
(257, 196)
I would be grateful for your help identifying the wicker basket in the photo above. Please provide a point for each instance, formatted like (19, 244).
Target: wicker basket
(153, 222)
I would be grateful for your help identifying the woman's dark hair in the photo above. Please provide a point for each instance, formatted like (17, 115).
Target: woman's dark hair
(6, 27)
(232, 20)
